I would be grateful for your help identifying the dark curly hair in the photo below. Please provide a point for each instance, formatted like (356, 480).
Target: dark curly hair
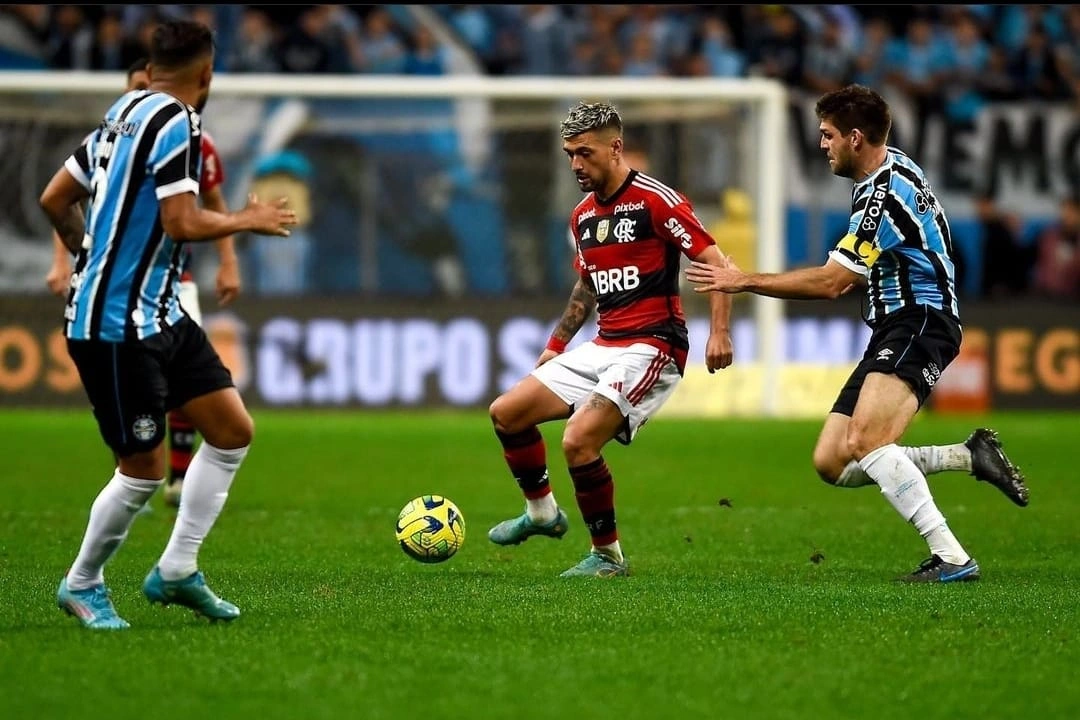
(856, 106)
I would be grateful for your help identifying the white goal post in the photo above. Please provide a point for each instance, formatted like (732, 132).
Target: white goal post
(767, 133)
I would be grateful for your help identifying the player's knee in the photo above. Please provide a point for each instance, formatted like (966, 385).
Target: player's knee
(861, 440)
(578, 448)
(505, 416)
(826, 465)
(236, 432)
(497, 411)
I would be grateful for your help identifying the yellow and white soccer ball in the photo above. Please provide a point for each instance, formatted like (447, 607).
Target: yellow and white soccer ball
(430, 529)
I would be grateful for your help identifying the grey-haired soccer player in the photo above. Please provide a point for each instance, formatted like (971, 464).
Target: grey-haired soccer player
(630, 233)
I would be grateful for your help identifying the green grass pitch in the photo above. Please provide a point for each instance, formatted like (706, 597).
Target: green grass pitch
(778, 602)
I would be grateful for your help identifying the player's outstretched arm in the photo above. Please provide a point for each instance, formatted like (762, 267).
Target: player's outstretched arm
(719, 350)
(228, 274)
(61, 200)
(581, 304)
(185, 221)
(826, 282)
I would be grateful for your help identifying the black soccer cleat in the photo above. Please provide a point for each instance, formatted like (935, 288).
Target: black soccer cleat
(990, 464)
(934, 569)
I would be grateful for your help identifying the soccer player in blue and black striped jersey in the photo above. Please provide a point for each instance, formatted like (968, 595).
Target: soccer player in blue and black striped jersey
(138, 352)
(899, 246)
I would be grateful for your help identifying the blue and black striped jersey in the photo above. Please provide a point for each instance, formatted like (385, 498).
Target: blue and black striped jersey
(898, 238)
(126, 276)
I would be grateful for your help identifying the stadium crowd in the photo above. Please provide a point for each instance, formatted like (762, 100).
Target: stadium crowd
(950, 57)
(948, 60)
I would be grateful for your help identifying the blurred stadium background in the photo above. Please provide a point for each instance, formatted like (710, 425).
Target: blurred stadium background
(434, 260)
(436, 226)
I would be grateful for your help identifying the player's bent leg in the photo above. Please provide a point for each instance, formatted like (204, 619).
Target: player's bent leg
(832, 458)
(527, 404)
(599, 419)
(221, 418)
(515, 416)
(886, 406)
(227, 430)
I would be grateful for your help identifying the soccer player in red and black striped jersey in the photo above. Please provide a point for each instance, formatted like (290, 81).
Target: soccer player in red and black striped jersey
(630, 234)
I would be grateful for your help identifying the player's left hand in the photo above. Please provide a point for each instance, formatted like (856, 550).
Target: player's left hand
(713, 278)
(228, 282)
(545, 356)
(719, 351)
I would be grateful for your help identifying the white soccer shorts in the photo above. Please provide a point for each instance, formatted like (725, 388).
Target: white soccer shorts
(189, 300)
(638, 378)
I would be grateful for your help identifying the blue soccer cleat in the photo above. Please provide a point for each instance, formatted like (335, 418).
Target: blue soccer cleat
(191, 592)
(91, 606)
(934, 569)
(517, 530)
(599, 565)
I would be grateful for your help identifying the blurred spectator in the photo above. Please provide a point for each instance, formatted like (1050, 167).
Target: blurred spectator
(253, 50)
(667, 29)
(427, 55)
(1034, 67)
(476, 26)
(642, 60)
(721, 56)
(306, 46)
(871, 59)
(383, 51)
(996, 83)
(914, 71)
(964, 59)
(1057, 267)
(113, 49)
(544, 41)
(1067, 52)
(70, 38)
(23, 29)
(781, 51)
(1006, 266)
(829, 64)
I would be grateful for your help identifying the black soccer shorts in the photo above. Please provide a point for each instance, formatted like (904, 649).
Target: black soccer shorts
(132, 385)
(915, 344)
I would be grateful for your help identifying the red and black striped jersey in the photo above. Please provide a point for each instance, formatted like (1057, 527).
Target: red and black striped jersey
(628, 251)
(211, 175)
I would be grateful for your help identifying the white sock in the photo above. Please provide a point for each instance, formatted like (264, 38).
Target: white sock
(853, 476)
(542, 510)
(111, 516)
(613, 551)
(940, 458)
(930, 459)
(206, 487)
(906, 489)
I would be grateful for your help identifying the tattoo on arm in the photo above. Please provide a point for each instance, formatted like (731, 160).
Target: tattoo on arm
(582, 301)
(71, 226)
